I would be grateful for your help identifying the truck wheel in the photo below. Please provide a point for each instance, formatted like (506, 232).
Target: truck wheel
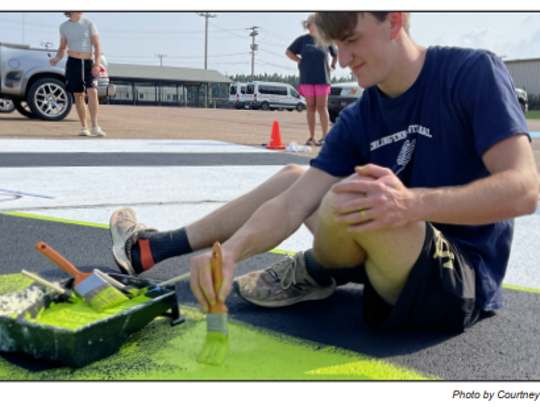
(265, 106)
(6, 106)
(333, 116)
(48, 99)
(22, 107)
(300, 107)
(522, 106)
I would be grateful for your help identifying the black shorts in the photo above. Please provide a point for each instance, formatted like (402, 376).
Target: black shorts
(79, 75)
(439, 293)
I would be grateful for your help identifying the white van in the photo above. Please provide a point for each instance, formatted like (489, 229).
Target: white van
(237, 95)
(273, 95)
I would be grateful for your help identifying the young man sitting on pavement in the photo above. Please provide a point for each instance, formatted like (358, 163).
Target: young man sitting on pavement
(413, 194)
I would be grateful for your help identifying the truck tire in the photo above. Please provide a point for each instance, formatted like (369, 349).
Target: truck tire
(333, 116)
(300, 107)
(22, 107)
(6, 106)
(522, 106)
(265, 106)
(48, 99)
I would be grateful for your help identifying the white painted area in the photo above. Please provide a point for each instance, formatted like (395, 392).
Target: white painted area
(75, 186)
(179, 189)
(523, 269)
(124, 146)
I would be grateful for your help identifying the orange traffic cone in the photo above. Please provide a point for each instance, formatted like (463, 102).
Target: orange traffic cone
(275, 141)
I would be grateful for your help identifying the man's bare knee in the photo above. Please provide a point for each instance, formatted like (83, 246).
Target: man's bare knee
(292, 171)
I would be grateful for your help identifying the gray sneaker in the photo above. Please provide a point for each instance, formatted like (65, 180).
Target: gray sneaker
(124, 231)
(282, 284)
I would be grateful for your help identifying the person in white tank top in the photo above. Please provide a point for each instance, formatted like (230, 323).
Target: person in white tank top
(77, 37)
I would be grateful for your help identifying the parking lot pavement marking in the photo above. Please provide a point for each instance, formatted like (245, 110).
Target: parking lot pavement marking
(26, 194)
(162, 352)
(125, 146)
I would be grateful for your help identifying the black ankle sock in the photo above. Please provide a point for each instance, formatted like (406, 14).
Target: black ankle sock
(153, 247)
(323, 275)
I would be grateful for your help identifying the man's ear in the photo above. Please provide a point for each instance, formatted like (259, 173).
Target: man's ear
(396, 24)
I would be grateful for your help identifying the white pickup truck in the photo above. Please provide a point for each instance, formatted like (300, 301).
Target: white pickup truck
(37, 89)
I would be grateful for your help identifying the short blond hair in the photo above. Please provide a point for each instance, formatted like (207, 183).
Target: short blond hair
(334, 26)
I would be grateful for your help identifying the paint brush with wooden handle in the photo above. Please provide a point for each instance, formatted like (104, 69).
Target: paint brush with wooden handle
(216, 347)
(133, 291)
(70, 295)
(93, 288)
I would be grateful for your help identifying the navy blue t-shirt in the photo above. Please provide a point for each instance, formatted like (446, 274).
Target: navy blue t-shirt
(314, 64)
(434, 135)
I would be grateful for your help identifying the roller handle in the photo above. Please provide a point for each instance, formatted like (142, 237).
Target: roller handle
(61, 262)
(217, 278)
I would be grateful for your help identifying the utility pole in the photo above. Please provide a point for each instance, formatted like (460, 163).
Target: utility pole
(206, 17)
(254, 47)
(46, 44)
(161, 56)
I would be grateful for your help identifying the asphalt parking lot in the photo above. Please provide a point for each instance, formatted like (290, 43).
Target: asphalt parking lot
(247, 127)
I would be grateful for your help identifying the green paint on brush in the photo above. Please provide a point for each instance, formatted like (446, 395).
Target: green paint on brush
(110, 297)
(75, 315)
(215, 349)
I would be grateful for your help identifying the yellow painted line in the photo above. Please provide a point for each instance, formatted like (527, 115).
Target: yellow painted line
(277, 251)
(59, 220)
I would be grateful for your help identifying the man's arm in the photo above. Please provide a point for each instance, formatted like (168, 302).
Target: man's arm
(280, 217)
(272, 223)
(62, 49)
(510, 191)
(97, 54)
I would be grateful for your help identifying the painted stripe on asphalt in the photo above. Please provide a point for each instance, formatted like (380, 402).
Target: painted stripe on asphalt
(277, 251)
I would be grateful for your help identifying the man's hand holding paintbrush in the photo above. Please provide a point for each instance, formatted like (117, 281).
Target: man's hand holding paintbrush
(202, 283)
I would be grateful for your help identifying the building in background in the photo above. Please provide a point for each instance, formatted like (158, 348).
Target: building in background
(526, 74)
(167, 86)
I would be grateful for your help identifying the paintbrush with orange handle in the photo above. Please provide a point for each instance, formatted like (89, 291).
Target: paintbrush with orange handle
(216, 347)
(93, 288)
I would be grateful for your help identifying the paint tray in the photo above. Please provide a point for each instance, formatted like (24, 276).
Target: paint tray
(87, 343)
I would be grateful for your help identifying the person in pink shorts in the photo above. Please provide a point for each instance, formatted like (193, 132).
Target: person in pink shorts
(312, 59)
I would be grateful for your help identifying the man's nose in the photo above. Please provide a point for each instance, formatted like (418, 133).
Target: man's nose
(344, 57)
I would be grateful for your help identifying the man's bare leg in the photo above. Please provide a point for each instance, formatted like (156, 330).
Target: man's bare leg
(93, 106)
(221, 224)
(81, 108)
(389, 255)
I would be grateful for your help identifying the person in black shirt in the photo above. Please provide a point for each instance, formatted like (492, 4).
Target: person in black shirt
(312, 59)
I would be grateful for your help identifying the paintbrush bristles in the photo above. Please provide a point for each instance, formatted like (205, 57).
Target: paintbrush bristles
(107, 298)
(216, 347)
(99, 293)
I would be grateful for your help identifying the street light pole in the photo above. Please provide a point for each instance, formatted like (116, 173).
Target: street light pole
(254, 48)
(206, 17)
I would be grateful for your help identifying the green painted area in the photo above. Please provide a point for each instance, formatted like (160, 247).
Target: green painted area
(73, 315)
(162, 352)
(518, 288)
(14, 282)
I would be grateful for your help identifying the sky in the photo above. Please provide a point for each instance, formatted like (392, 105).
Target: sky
(139, 37)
